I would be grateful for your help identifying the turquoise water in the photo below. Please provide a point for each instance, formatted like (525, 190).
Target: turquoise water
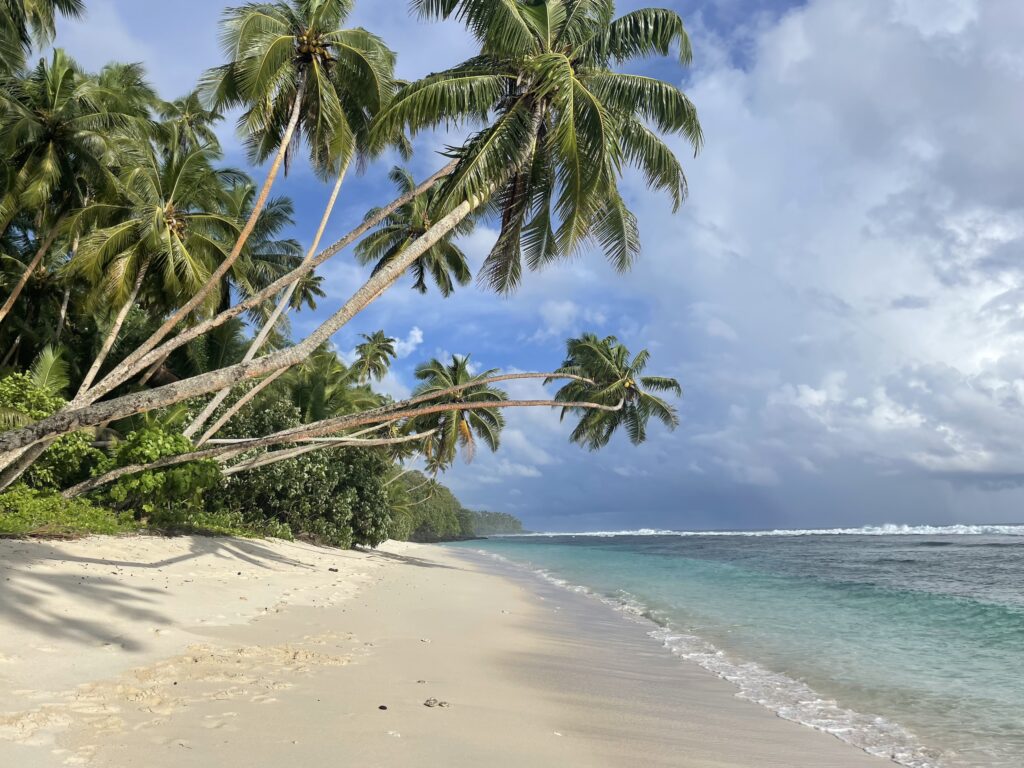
(908, 645)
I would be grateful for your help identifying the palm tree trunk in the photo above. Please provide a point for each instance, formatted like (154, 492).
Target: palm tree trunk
(293, 453)
(261, 201)
(242, 402)
(32, 267)
(151, 371)
(398, 477)
(63, 315)
(283, 304)
(317, 429)
(10, 352)
(137, 361)
(115, 330)
(70, 420)
(424, 484)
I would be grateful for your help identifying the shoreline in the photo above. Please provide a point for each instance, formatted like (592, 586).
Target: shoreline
(784, 696)
(140, 651)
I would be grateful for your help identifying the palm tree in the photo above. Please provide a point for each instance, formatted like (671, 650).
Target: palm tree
(168, 219)
(440, 415)
(187, 124)
(444, 261)
(374, 356)
(61, 137)
(322, 387)
(267, 255)
(564, 123)
(617, 378)
(287, 61)
(457, 428)
(123, 89)
(24, 22)
(546, 147)
(295, 70)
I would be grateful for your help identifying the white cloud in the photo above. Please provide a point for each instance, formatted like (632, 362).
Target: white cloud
(405, 347)
(561, 318)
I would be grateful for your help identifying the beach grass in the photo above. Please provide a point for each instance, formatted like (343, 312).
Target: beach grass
(26, 512)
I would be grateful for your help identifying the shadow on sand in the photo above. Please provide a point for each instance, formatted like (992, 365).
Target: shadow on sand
(36, 600)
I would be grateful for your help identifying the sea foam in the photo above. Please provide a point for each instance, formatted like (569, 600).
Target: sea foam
(788, 698)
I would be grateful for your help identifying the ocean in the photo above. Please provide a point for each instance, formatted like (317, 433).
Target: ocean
(905, 641)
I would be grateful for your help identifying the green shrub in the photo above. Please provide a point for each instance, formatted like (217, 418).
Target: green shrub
(28, 512)
(333, 496)
(70, 458)
(176, 490)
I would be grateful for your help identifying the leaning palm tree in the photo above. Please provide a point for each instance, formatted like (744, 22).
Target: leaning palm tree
(335, 79)
(605, 379)
(445, 262)
(61, 138)
(168, 220)
(27, 22)
(374, 356)
(610, 375)
(563, 124)
(460, 428)
(285, 62)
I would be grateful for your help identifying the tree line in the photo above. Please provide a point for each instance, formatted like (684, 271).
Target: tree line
(149, 365)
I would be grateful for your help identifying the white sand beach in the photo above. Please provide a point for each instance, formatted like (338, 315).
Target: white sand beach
(194, 652)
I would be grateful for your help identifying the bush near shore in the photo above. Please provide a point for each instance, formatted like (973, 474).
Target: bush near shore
(338, 497)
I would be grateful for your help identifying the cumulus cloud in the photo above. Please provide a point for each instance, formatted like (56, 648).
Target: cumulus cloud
(405, 347)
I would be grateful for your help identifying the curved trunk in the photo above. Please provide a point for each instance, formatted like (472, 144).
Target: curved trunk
(282, 308)
(63, 315)
(261, 202)
(114, 332)
(294, 453)
(11, 352)
(138, 360)
(242, 402)
(33, 265)
(317, 429)
(71, 420)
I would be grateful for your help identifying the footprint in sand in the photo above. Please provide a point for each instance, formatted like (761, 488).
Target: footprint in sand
(216, 722)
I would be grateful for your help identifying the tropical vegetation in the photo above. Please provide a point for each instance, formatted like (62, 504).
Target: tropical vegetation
(149, 374)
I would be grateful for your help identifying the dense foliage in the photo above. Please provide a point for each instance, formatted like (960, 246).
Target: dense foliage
(332, 496)
(146, 359)
(24, 396)
(494, 523)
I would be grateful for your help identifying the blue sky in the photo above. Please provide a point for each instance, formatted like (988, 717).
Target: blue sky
(841, 297)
